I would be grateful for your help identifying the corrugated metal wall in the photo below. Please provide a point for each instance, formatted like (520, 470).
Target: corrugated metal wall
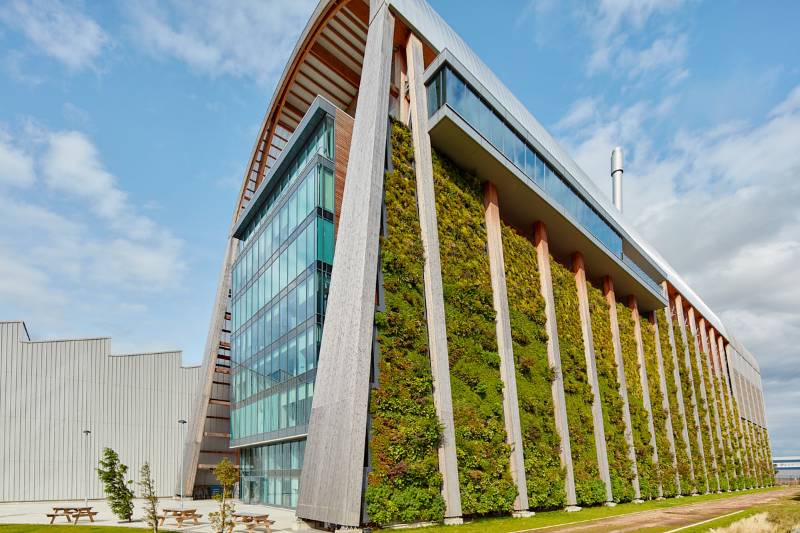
(51, 391)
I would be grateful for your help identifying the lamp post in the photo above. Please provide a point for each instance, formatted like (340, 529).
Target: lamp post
(86, 434)
(182, 422)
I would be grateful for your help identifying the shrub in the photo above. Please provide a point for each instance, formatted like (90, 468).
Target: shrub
(483, 455)
(640, 425)
(541, 444)
(619, 463)
(222, 520)
(683, 459)
(148, 487)
(404, 484)
(589, 488)
(665, 469)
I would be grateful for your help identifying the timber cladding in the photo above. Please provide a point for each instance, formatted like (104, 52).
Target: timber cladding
(342, 136)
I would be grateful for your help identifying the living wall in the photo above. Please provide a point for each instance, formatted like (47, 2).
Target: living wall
(483, 455)
(727, 474)
(700, 384)
(648, 481)
(690, 400)
(589, 489)
(619, 465)
(710, 407)
(540, 441)
(745, 479)
(683, 459)
(404, 484)
(665, 470)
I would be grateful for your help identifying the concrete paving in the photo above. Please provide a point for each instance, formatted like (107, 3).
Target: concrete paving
(34, 513)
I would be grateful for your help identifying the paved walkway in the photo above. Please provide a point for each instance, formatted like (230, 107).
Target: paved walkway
(673, 517)
(34, 513)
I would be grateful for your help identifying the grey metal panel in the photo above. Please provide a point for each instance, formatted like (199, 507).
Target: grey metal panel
(55, 389)
(332, 478)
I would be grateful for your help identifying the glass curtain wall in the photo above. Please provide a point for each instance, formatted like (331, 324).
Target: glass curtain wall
(279, 292)
(447, 87)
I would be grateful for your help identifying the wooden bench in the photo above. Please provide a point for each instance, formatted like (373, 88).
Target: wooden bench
(84, 512)
(253, 520)
(71, 512)
(180, 516)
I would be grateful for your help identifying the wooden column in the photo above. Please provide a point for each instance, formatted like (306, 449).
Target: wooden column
(678, 302)
(432, 273)
(554, 359)
(608, 290)
(591, 370)
(505, 347)
(703, 395)
(723, 402)
(676, 376)
(332, 482)
(711, 374)
(637, 332)
(662, 384)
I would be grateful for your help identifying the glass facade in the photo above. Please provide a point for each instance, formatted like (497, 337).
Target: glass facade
(279, 291)
(447, 87)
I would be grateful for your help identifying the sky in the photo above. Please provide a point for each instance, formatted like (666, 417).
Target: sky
(126, 127)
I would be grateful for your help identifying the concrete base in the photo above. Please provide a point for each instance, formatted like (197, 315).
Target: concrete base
(679, 495)
(660, 499)
(453, 521)
(637, 501)
(522, 514)
(301, 525)
(572, 508)
(411, 525)
(610, 504)
(347, 529)
(694, 494)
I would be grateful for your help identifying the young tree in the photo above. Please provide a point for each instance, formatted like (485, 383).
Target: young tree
(119, 495)
(148, 488)
(227, 475)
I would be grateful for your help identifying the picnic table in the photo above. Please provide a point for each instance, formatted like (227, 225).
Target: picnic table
(180, 515)
(254, 520)
(72, 512)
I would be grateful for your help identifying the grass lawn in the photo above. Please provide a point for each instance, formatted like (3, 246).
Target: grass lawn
(556, 518)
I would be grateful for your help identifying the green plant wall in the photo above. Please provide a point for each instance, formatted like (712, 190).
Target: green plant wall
(742, 458)
(665, 469)
(404, 484)
(702, 410)
(619, 465)
(648, 481)
(688, 390)
(483, 455)
(541, 445)
(712, 427)
(589, 489)
(683, 460)
(727, 474)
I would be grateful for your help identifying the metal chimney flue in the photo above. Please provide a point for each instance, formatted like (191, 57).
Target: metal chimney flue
(616, 177)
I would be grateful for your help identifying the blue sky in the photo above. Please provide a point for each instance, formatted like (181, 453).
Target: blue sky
(125, 129)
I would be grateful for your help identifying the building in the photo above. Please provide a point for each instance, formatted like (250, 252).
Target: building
(787, 469)
(497, 337)
(52, 392)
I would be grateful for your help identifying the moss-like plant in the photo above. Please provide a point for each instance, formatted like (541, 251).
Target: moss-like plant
(404, 484)
(713, 437)
(689, 405)
(483, 455)
(540, 441)
(683, 459)
(737, 438)
(702, 410)
(723, 450)
(620, 466)
(589, 489)
(648, 481)
(665, 469)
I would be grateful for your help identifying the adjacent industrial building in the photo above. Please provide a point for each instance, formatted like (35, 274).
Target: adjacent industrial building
(63, 401)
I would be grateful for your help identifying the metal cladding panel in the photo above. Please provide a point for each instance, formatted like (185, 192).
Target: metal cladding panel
(432, 29)
(53, 390)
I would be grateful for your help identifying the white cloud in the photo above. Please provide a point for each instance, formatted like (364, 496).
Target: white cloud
(246, 38)
(58, 30)
(16, 167)
(721, 205)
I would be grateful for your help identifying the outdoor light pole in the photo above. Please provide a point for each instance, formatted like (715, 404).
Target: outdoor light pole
(86, 434)
(182, 422)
